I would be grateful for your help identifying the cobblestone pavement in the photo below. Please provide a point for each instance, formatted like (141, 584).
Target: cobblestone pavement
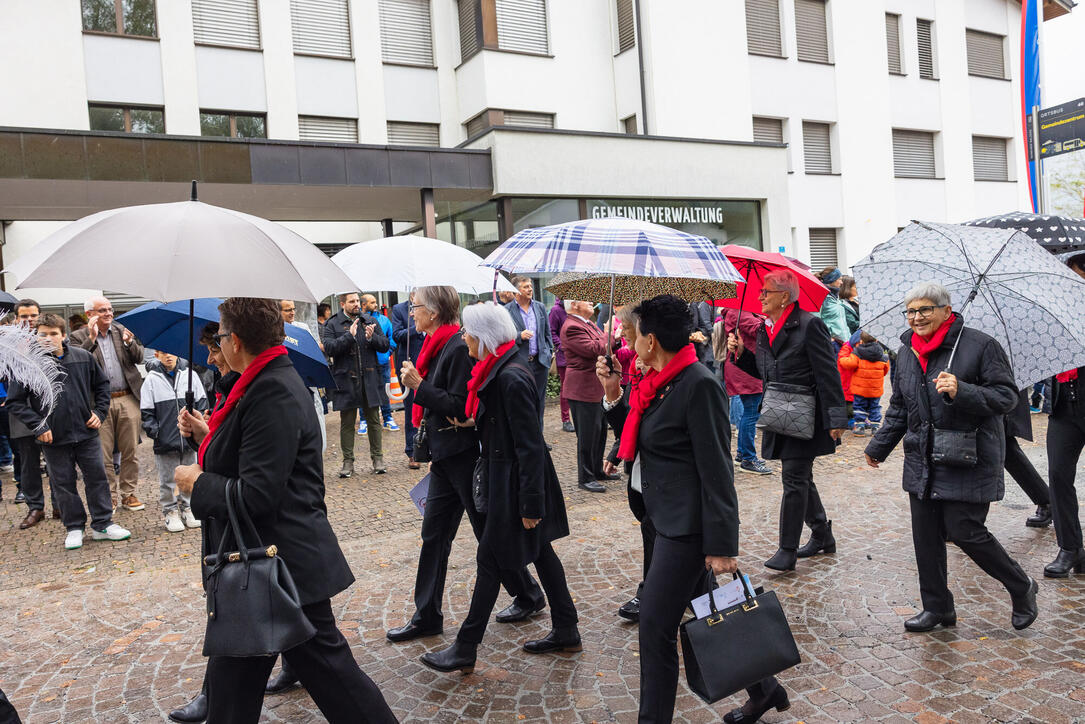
(112, 632)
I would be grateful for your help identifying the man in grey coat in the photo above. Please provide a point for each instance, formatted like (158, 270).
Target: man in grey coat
(534, 336)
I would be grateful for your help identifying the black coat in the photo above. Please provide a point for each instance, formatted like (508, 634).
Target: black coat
(86, 390)
(443, 393)
(687, 476)
(271, 441)
(354, 361)
(985, 392)
(802, 355)
(522, 479)
(404, 334)
(1019, 420)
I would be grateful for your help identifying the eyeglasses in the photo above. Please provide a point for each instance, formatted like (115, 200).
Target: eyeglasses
(765, 292)
(921, 312)
(417, 306)
(104, 310)
(219, 337)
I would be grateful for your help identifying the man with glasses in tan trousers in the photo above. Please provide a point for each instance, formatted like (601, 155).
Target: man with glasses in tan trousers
(118, 352)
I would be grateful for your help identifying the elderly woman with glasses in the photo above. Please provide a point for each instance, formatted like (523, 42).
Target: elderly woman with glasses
(794, 348)
(954, 449)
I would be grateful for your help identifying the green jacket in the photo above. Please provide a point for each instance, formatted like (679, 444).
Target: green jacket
(832, 313)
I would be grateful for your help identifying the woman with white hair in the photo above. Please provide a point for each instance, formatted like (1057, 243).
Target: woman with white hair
(515, 485)
(954, 450)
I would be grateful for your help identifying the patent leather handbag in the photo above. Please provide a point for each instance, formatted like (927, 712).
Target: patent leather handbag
(422, 453)
(788, 410)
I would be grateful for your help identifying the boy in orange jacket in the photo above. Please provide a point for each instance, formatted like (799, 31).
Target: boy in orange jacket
(869, 364)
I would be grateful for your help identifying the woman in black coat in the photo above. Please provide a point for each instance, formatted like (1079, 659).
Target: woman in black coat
(267, 435)
(794, 348)
(950, 499)
(522, 500)
(440, 392)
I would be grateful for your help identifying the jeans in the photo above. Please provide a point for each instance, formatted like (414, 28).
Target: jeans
(745, 412)
(867, 410)
(62, 459)
(166, 463)
(7, 456)
(386, 377)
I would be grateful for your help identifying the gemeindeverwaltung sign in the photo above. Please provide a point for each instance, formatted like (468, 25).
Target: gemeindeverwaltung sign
(661, 214)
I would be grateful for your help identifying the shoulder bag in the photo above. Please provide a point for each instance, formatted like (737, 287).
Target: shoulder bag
(788, 410)
(952, 448)
(422, 452)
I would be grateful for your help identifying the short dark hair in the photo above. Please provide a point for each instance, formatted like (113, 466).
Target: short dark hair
(207, 334)
(343, 297)
(667, 317)
(51, 320)
(323, 308)
(27, 303)
(77, 321)
(258, 323)
(866, 338)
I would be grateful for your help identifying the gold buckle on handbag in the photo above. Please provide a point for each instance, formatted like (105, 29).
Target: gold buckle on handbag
(711, 622)
(749, 607)
(272, 550)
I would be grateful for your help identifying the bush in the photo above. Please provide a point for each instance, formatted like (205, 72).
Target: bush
(553, 386)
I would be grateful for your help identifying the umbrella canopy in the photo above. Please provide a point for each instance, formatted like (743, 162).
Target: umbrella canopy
(754, 265)
(628, 289)
(402, 263)
(8, 301)
(1057, 234)
(1003, 282)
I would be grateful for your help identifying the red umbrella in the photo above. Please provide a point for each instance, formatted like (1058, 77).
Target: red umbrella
(754, 265)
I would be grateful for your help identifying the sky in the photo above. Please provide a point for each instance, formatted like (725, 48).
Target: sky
(1063, 64)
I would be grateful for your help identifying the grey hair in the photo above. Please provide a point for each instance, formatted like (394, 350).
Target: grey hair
(490, 324)
(88, 306)
(928, 290)
(444, 301)
(626, 315)
(784, 281)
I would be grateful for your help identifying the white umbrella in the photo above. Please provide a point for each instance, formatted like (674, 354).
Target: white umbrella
(401, 263)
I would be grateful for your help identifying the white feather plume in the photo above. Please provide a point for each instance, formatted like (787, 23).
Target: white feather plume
(25, 359)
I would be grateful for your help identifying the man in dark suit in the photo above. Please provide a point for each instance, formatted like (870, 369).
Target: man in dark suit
(583, 343)
(533, 328)
(410, 339)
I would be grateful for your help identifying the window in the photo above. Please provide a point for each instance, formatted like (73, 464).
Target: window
(413, 134)
(478, 124)
(235, 23)
(338, 130)
(823, 248)
(989, 159)
(406, 34)
(627, 26)
(629, 125)
(127, 119)
(816, 148)
(985, 54)
(321, 27)
(470, 13)
(232, 125)
(495, 117)
(768, 130)
(124, 17)
(811, 31)
(534, 120)
(763, 28)
(925, 39)
(913, 154)
(892, 42)
(521, 25)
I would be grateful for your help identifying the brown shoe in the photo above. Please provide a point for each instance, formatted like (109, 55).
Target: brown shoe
(412, 464)
(131, 502)
(32, 519)
(56, 514)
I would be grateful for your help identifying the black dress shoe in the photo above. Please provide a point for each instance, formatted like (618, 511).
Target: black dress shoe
(630, 610)
(928, 620)
(593, 486)
(556, 640)
(1065, 561)
(285, 680)
(1041, 519)
(193, 711)
(549, 447)
(1024, 608)
(752, 710)
(19, 497)
(411, 630)
(567, 427)
(784, 560)
(515, 612)
(609, 476)
(457, 657)
(821, 541)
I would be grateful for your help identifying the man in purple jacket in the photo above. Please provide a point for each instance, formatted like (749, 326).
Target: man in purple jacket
(557, 318)
(745, 388)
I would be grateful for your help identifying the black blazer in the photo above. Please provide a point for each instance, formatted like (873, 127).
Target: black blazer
(271, 441)
(444, 393)
(687, 475)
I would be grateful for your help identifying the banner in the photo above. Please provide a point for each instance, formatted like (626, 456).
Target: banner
(1030, 88)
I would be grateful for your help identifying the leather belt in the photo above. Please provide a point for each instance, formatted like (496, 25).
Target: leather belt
(119, 393)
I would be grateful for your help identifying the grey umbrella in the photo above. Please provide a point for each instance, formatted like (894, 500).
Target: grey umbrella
(1002, 282)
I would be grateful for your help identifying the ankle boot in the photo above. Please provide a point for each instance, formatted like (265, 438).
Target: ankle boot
(1025, 610)
(1042, 517)
(783, 560)
(193, 711)
(559, 639)
(821, 541)
(1067, 560)
(347, 470)
(460, 656)
(378, 465)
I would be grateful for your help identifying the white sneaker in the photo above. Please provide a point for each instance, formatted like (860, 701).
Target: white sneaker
(74, 539)
(112, 532)
(7, 468)
(173, 521)
(189, 519)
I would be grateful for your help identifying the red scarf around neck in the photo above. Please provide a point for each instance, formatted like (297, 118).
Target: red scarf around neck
(924, 347)
(432, 347)
(480, 372)
(644, 391)
(774, 329)
(238, 391)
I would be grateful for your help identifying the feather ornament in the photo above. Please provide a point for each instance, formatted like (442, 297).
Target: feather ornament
(25, 359)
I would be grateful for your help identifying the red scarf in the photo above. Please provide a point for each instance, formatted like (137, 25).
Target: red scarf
(644, 391)
(430, 349)
(924, 347)
(238, 391)
(1067, 376)
(774, 329)
(480, 372)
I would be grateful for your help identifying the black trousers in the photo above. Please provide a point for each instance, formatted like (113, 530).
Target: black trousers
(325, 666)
(8, 715)
(800, 502)
(542, 375)
(1021, 470)
(934, 522)
(676, 576)
(487, 586)
(1065, 439)
(28, 458)
(449, 497)
(591, 439)
(62, 460)
(647, 534)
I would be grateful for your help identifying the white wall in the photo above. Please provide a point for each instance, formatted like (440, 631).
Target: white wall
(123, 70)
(412, 94)
(231, 79)
(180, 86)
(326, 87)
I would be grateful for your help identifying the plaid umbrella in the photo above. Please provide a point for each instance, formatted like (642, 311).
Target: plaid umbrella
(1057, 234)
(629, 289)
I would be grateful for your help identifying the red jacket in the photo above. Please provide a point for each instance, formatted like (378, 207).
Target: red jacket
(866, 368)
(583, 342)
(845, 372)
(736, 380)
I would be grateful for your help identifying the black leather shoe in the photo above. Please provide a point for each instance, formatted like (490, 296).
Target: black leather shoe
(928, 620)
(567, 427)
(549, 447)
(457, 657)
(1065, 562)
(1024, 609)
(411, 630)
(610, 476)
(593, 486)
(821, 541)
(193, 711)
(556, 640)
(515, 612)
(285, 680)
(19, 497)
(752, 710)
(1041, 519)
(784, 560)
(630, 610)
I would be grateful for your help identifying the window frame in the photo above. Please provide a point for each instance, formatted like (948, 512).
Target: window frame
(779, 31)
(232, 116)
(968, 33)
(309, 54)
(900, 46)
(618, 26)
(1006, 157)
(127, 114)
(118, 9)
(937, 169)
(258, 48)
(828, 19)
(632, 118)
(830, 127)
(933, 50)
(432, 43)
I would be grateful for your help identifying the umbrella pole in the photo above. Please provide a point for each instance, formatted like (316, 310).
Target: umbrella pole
(971, 297)
(190, 396)
(741, 302)
(610, 327)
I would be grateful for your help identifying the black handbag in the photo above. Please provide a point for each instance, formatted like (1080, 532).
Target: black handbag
(955, 448)
(480, 485)
(788, 410)
(253, 607)
(422, 452)
(729, 650)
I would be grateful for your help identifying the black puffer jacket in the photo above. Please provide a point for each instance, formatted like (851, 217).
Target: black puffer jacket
(985, 392)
